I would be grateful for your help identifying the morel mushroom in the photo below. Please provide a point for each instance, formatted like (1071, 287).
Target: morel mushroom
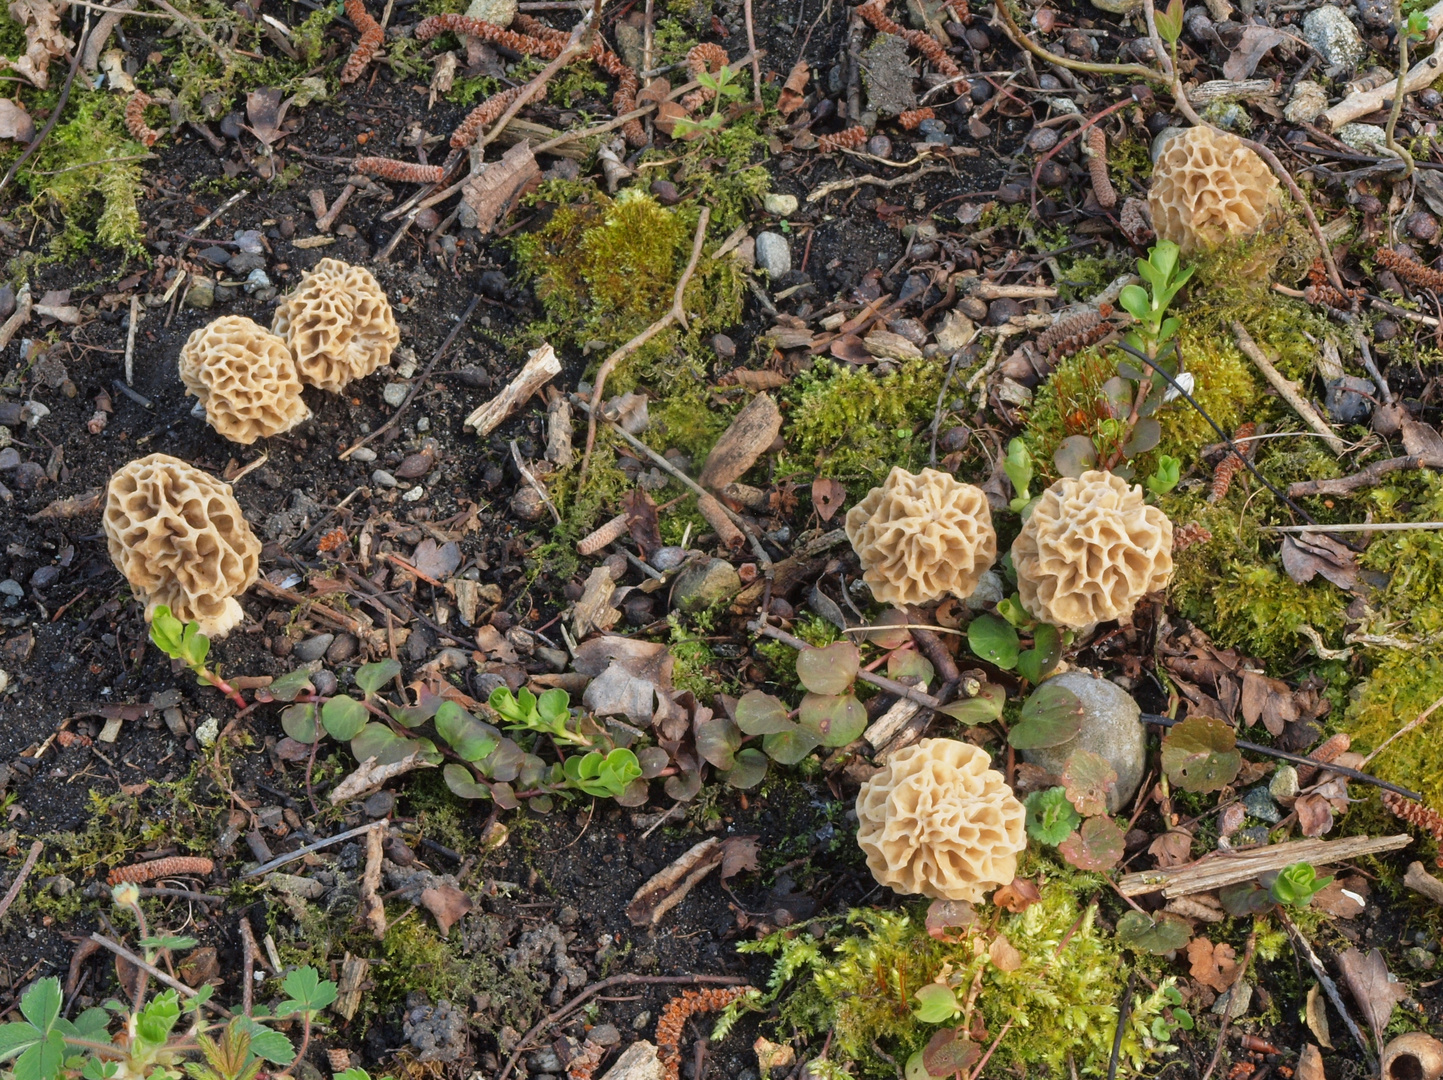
(338, 325)
(1091, 549)
(1207, 187)
(180, 539)
(922, 536)
(940, 821)
(245, 379)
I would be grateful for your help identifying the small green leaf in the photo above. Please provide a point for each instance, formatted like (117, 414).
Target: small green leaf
(1050, 817)
(343, 717)
(41, 1003)
(789, 747)
(1098, 845)
(299, 722)
(469, 737)
(1051, 716)
(371, 677)
(154, 1022)
(1159, 935)
(1245, 899)
(910, 664)
(830, 670)
(834, 719)
(291, 685)
(936, 1004)
(266, 1044)
(307, 991)
(169, 942)
(761, 714)
(982, 709)
(1200, 754)
(463, 783)
(749, 771)
(1018, 467)
(1087, 778)
(380, 742)
(993, 640)
(717, 740)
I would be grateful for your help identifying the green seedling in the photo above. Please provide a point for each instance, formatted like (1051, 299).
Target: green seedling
(1018, 467)
(603, 776)
(549, 714)
(1295, 885)
(724, 89)
(184, 642)
(1166, 476)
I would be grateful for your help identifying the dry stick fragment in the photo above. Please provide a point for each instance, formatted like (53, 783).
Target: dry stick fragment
(1423, 883)
(1329, 986)
(324, 223)
(150, 969)
(718, 518)
(402, 172)
(1365, 479)
(372, 910)
(1219, 869)
(372, 38)
(174, 866)
(540, 368)
(676, 314)
(1287, 391)
(135, 119)
(1102, 187)
(30, 858)
(103, 29)
(832, 186)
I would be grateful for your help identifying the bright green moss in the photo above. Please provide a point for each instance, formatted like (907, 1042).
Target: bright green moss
(1061, 1000)
(1401, 686)
(688, 420)
(856, 425)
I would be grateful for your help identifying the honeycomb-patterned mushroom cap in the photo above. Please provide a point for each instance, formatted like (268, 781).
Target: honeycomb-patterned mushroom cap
(922, 536)
(1207, 187)
(1091, 549)
(338, 325)
(940, 821)
(244, 377)
(180, 539)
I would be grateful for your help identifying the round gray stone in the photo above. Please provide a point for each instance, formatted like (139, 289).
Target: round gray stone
(1111, 727)
(774, 254)
(313, 648)
(1335, 38)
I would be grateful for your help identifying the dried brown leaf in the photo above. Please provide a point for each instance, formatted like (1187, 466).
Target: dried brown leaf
(369, 776)
(43, 40)
(641, 521)
(1017, 896)
(827, 496)
(738, 853)
(1375, 993)
(1310, 1061)
(1171, 849)
(1347, 899)
(1316, 1015)
(1306, 556)
(1315, 814)
(629, 678)
(1213, 965)
(447, 904)
(1256, 42)
(794, 89)
(1422, 440)
(15, 122)
(1004, 954)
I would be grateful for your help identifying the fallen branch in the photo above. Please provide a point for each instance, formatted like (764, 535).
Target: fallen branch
(1287, 391)
(1419, 76)
(35, 849)
(150, 969)
(677, 314)
(834, 186)
(1217, 869)
(1356, 527)
(1423, 883)
(302, 852)
(1345, 484)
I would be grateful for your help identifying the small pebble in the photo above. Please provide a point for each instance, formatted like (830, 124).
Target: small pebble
(1385, 330)
(325, 682)
(665, 192)
(381, 478)
(1422, 225)
(1260, 805)
(1052, 174)
(724, 347)
(395, 393)
(1049, 82)
(1012, 193)
(1042, 140)
(365, 455)
(879, 146)
(416, 494)
(313, 648)
(342, 649)
(494, 285)
(1000, 311)
(379, 805)
(428, 219)
(45, 576)
(981, 91)
(978, 39)
(1428, 98)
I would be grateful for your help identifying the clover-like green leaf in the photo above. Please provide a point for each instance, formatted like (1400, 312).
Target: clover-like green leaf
(1087, 778)
(936, 1004)
(717, 740)
(299, 722)
(749, 771)
(1159, 934)
(762, 714)
(994, 640)
(291, 685)
(1051, 716)
(910, 664)
(343, 717)
(371, 677)
(1097, 845)
(1036, 663)
(463, 783)
(1201, 755)
(982, 709)
(834, 719)
(828, 670)
(1050, 817)
(306, 992)
(469, 737)
(789, 747)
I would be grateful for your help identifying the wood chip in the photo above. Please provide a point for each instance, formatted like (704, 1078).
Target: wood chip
(753, 430)
(493, 192)
(540, 368)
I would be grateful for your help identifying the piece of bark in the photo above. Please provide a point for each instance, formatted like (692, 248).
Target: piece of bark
(369, 776)
(558, 429)
(354, 970)
(1229, 868)
(1423, 442)
(594, 611)
(717, 518)
(1423, 883)
(493, 192)
(23, 306)
(669, 887)
(753, 430)
(540, 368)
(373, 911)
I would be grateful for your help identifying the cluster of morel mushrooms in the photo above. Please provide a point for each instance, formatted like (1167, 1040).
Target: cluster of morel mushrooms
(176, 532)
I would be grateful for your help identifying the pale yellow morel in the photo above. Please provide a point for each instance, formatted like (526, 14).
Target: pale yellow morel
(1208, 188)
(337, 324)
(245, 379)
(180, 539)
(939, 821)
(922, 536)
(1091, 549)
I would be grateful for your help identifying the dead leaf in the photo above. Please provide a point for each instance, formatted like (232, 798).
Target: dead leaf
(199, 967)
(1315, 814)
(443, 76)
(827, 497)
(1305, 556)
(1017, 896)
(492, 192)
(447, 904)
(1003, 954)
(74, 506)
(629, 678)
(1257, 689)
(849, 347)
(435, 560)
(1213, 965)
(1317, 1017)
(1422, 440)
(15, 122)
(738, 853)
(747, 438)
(1310, 1061)
(369, 776)
(944, 915)
(1373, 990)
(629, 412)
(1171, 849)
(265, 111)
(1256, 42)
(641, 521)
(668, 113)
(669, 887)
(595, 610)
(494, 644)
(772, 1055)
(43, 40)
(1347, 899)
(753, 380)
(793, 91)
